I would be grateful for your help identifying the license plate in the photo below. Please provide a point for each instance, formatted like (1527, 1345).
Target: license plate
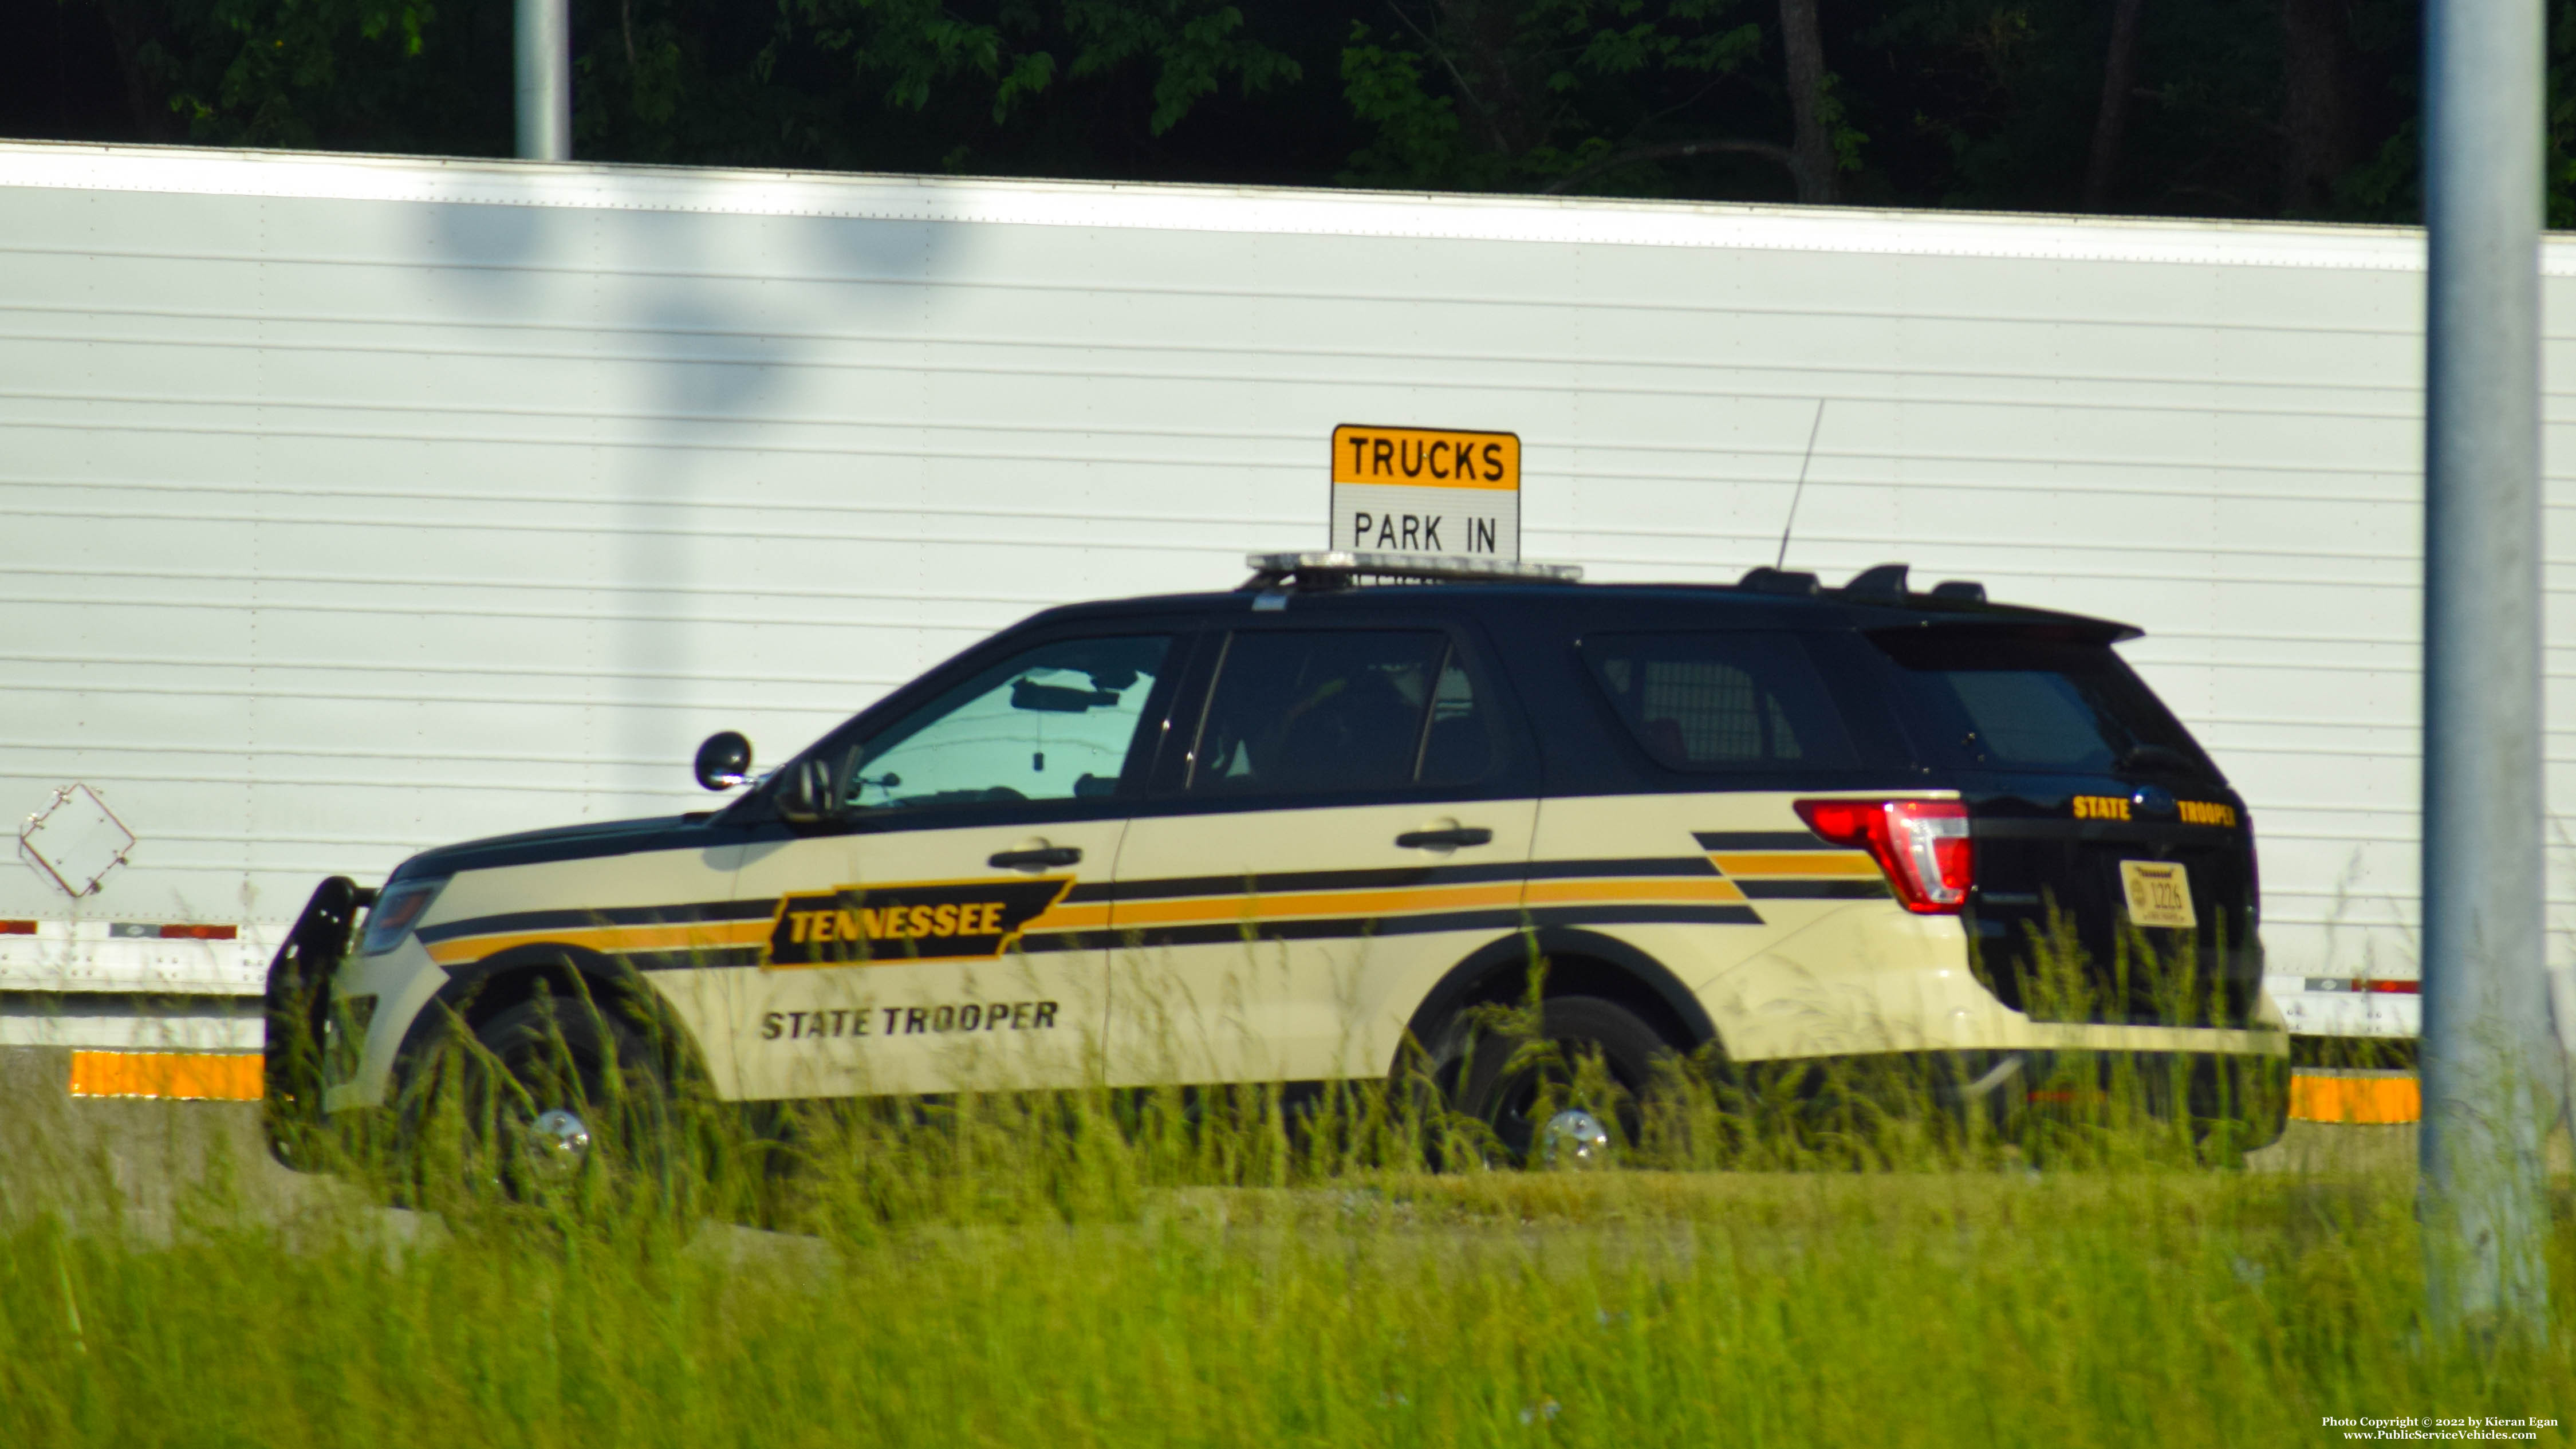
(2159, 894)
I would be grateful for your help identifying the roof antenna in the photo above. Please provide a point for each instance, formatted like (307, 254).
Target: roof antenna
(1792, 520)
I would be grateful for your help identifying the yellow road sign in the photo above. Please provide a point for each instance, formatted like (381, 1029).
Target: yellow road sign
(1426, 457)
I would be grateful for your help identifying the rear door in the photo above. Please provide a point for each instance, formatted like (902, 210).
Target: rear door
(943, 930)
(2098, 823)
(1350, 817)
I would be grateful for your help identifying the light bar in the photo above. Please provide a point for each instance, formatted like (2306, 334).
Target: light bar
(2365, 985)
(1272, 567)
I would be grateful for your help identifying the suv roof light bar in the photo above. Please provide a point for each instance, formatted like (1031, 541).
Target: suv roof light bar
(1341, 569)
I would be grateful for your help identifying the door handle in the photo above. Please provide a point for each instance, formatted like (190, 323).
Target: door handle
(1022, 859)
(1449, 839)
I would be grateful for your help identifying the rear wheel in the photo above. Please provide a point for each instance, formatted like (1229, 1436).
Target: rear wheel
(1589, 1055)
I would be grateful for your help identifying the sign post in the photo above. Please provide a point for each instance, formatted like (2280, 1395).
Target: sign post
(2491, 1082)
(1437, 491)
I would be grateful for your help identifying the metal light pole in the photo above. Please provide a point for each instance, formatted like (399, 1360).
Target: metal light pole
(2490, 1078)
(545, 80)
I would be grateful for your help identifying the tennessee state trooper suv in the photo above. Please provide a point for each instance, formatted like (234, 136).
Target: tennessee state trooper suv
(1274, 834)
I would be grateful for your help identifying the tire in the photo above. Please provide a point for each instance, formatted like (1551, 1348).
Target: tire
(1512, 1085)
(562, 1054)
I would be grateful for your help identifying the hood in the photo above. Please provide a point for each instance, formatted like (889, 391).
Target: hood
(569, 842)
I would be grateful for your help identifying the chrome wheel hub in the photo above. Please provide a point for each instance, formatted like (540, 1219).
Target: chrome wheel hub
(1574, 1138)
(558, 1143)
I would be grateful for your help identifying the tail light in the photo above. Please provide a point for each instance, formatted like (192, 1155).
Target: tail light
(1922, 845)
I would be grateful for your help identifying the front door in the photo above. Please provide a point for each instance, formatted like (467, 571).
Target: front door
(1352, 819)
(943, 930)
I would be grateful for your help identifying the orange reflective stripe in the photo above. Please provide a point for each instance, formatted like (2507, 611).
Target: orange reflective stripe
(186, 1076)
(2356, 1099)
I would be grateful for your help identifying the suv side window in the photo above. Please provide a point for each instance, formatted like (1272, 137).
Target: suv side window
(1056, 722)
(1717, 701)
(1318, 711)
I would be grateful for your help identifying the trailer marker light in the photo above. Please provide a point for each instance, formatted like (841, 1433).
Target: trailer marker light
(2365, 985)
(200, 933)
(1921, 845)
(17, 928)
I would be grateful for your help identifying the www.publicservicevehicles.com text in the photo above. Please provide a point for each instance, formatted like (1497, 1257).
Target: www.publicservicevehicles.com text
(2468, 1426)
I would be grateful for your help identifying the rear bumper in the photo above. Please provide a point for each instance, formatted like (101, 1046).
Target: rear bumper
(2330, 1007)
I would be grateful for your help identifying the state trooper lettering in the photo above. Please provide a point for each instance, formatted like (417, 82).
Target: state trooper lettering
(942, 1020)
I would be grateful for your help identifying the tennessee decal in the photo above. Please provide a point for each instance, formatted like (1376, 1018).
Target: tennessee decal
(923, 921)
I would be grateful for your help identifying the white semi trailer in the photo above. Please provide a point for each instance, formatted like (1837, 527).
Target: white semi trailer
(351, 505)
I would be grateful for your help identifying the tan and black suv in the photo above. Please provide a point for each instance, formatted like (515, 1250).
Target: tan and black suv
(1274, 835)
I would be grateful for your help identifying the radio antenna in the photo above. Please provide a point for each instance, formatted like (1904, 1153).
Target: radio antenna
(1800, 491)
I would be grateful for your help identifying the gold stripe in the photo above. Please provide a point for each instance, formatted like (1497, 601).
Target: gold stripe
(1581, 892)
(1255, 908)
(682, 936)
(1799, 862)
(1069, 918)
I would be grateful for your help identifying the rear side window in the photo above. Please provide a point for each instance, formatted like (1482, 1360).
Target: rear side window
(1319, 711)
(1716, 701)
(1996, 700)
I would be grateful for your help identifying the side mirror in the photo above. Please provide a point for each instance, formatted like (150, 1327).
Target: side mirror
(724, 761)
(805, 796)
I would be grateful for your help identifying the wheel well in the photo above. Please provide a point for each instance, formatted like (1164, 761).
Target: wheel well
(1579, 963)
(492, 986)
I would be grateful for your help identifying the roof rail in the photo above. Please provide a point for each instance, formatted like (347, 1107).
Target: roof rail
(1342, 569)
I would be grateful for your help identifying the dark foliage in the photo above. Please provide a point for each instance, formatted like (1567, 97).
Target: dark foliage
(2249, 108)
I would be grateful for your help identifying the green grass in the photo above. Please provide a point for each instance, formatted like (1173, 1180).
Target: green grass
(1094, 1271)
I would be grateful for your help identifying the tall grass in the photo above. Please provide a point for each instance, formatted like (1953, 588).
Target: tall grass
(1822, 1256)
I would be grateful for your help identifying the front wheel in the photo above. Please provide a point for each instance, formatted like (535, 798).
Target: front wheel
(1588, 1055)
(567, 1092)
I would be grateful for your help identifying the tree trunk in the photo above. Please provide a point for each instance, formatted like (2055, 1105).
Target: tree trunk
(131, 26)
(2316, 105)
(1480, 35)
(2118, 71)
(1803, 42)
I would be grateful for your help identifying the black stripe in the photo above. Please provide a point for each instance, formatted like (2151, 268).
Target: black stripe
(1086, 891)
(1348, 927)
(715, 957)
(600, 916)
(1640, 915)
(702, 959)
(1761, 840)
(1288, 882)
(1813, 890)
(1043, 942)
(1638, 866)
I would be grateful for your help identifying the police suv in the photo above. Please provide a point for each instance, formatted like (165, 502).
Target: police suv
(1275, 835)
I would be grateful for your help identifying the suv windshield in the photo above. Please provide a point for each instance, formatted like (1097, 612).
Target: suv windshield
(1997, 699)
